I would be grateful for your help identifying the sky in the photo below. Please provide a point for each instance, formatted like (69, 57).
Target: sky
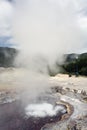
(5, 22)
(6, 14)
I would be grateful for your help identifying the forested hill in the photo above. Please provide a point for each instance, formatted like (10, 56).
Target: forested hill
(76, 63)
(73, 62)
(74, 56)
(7, 56)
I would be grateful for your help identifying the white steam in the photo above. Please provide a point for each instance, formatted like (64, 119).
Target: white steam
(46, 29)
(43, 110)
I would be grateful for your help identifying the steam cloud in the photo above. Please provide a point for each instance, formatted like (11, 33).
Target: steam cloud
(46, 29)
(43, 110)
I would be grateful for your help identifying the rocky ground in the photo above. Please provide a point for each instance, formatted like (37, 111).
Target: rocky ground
(68, 91)
(74, 91)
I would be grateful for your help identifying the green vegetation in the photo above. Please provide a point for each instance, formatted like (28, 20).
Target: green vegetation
(7, 56)
(77, 65)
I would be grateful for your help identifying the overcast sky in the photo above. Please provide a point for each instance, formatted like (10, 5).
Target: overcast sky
(6, 13)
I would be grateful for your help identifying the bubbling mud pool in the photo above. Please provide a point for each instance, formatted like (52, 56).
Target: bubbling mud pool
(13, 116)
